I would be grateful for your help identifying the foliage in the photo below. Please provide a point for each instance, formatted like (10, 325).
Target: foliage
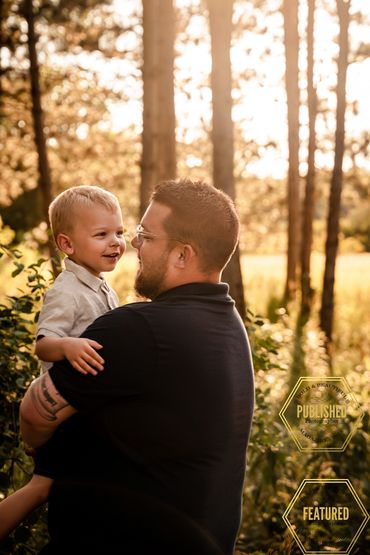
(275, 466)
(262, 508)
(76, 102)
(90, 57)
(18, 366)
(24, 214)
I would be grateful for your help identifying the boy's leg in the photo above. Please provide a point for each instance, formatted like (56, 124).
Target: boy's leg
(15, 508)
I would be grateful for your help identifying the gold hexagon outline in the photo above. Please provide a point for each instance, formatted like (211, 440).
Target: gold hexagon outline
(351, 432)
(283, 409)
(325, 481)
(321, 449)
(357, 499)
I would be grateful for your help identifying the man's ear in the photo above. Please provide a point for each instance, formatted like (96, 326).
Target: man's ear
(184, 255)
(64, 243)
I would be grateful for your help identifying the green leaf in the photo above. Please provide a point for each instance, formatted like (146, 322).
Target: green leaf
(18, 270)
(4, 480)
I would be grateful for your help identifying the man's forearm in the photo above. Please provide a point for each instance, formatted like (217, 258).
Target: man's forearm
(42, 410)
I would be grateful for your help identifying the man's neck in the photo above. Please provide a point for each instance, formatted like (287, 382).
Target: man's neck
(195, 277)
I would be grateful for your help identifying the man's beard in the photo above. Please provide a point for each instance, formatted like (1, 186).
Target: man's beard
(149, 283)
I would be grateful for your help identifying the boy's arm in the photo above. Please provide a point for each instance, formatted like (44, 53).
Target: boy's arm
(55, 338)
(16, 507)
(81, 352)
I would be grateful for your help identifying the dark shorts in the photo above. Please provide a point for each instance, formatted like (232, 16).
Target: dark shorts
(49, 457)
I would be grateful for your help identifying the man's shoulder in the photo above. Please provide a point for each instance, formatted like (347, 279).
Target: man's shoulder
(145, 310)
(129, 312)
(134, 310)
(125, 321)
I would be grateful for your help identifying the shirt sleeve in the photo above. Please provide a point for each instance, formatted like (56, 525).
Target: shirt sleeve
(58, 314)
(129, 350)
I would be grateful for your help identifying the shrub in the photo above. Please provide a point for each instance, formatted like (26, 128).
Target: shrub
(275, 467)
(18, 367)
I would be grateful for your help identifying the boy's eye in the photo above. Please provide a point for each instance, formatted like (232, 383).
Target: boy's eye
(101, 234)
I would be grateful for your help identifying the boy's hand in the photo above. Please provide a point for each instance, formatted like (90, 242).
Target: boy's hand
(81, 353)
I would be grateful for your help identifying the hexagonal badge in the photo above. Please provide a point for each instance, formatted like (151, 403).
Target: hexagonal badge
(321, 414)
(326, 516)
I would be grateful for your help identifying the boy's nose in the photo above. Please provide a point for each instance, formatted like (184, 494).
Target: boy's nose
(114, 240)
(134, 242)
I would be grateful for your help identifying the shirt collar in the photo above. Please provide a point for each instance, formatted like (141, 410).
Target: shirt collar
(84, 275)
(203, 289)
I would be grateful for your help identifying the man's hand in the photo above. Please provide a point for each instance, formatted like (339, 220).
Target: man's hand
(30, 451)
(82, 354)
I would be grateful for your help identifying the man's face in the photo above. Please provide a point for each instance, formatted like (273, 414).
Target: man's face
(153, 246)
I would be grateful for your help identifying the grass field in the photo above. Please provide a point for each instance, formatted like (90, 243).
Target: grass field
(264, 277)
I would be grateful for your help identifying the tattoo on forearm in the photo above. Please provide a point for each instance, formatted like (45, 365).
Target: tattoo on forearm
(47, 404)
(48, 398)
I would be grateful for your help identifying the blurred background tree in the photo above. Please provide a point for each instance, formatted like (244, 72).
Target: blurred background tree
(158, 161)
(291, 42)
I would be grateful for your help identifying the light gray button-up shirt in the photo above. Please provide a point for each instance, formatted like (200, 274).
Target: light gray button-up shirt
(73, 302)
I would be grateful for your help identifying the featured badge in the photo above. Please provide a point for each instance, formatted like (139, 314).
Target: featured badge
(326, 516)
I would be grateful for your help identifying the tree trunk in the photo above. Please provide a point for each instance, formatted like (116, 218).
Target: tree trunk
(166, 96)
(38, 122)
(150, 118)
(309, 201)
(2, 17)
(331, 247)
(158, 138)
(291, 41)
(220, 16)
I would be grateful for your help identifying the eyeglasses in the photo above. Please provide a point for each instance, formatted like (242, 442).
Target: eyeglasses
(141, 234)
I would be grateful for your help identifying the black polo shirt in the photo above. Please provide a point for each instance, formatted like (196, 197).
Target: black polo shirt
(159, 457)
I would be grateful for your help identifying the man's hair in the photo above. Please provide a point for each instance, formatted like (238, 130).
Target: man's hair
(202, 216)
(63, 211)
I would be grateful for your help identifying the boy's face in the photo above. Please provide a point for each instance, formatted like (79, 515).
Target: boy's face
(96, 241)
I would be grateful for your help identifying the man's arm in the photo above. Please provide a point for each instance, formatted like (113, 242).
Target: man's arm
(42, 410)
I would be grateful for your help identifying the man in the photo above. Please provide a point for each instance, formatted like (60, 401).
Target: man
(159, 455)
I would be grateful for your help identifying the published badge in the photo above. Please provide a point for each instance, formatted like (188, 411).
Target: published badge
(321, 414)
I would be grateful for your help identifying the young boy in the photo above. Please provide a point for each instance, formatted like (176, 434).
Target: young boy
(87, 226)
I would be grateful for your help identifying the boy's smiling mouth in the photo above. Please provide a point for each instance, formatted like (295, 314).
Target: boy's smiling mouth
(113, 255)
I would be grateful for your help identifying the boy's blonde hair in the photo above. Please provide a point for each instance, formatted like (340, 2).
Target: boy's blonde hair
(64, 208)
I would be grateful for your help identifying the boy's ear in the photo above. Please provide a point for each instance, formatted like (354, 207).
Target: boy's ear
(64, 243)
